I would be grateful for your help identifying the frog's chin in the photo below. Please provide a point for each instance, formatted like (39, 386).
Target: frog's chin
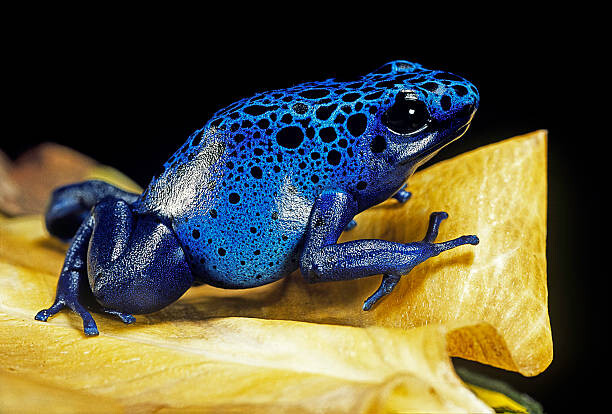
(427, 151)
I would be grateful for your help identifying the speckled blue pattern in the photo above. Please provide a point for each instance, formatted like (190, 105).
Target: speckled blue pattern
(243, 185)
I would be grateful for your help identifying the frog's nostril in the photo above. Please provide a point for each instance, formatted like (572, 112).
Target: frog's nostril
(466, 112)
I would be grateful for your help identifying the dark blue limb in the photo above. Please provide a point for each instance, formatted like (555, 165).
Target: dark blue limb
(120, 264)
(323, 259)
(71, 204)
(135, 262)
(351, 225)
(72, 288)
(402, 195)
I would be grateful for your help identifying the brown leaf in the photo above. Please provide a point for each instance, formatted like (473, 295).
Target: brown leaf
(26, 183)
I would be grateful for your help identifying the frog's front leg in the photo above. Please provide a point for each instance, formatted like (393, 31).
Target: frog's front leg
(323, 259)
(402, 195)
(120, 264)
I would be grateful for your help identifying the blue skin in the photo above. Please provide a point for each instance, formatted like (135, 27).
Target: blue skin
(266, 186)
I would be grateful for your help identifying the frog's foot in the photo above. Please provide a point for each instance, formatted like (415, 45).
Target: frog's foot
(386, 286)
(389, 281)
(89, 325)
(323, 259)
(351, 225)
(402, 195)
(70, 205)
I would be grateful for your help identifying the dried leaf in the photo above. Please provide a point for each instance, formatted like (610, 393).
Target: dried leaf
(485, 302)
(26, 184)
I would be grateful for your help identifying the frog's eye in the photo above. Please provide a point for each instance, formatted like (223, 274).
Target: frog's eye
(407, 115)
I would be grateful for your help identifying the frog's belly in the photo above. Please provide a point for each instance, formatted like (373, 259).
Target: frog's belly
(246, 247)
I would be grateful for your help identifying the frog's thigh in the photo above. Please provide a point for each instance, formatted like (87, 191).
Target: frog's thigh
(135, 262)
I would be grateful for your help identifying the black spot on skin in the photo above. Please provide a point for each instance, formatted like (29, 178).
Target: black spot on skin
(239, 138)
(340, 119)
(229, 165)
(379, 144)
(314, 93)
(258, 151)
(445, 102)
(276, 169)
(263, 123)
(257, 110)
(314, 178)
(324, 112)
(234, 198)
(300, 108)
(290, 137)
(257, 252)
(351, 97)
(221, 251)
(256, 172)
(285, 238)
(253, 230)
(328, 134)
(343, 143)
(460, 90)
(198, 138)
(310, 132)
(286, 119)
(334, 157)
(195, 234)
(372, 96)
(357, 124)
(430, 86)
(361, 185)
(213, 213)
(315, 155)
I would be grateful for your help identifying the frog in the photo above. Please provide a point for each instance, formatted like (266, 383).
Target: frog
(264, 188)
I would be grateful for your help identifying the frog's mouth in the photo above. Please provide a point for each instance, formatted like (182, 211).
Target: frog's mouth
(434, 142)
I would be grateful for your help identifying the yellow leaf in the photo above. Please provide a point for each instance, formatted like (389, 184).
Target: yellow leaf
(491, 298)
(219, 364)
(256, 349)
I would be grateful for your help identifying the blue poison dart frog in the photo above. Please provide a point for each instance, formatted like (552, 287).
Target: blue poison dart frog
(265, 187)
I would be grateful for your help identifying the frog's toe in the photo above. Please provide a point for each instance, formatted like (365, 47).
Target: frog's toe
(45, 314)
(387, 285)
(89, 325)
(402, 195)
(125, 317)
(351, 225)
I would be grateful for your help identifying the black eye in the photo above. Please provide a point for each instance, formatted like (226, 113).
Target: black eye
(407, 115)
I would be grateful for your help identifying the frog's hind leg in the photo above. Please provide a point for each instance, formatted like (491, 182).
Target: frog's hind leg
(71, 204)
(120, 263)
(323, 259)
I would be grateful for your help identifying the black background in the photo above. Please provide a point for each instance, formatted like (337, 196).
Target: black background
(128, 88)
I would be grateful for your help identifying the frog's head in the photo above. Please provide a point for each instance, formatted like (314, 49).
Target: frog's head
(418, 112)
